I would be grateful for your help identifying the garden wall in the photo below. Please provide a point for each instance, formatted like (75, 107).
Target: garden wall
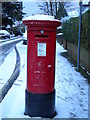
(84, 55)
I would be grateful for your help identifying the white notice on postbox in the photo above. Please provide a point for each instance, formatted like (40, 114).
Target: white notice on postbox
(41, 49)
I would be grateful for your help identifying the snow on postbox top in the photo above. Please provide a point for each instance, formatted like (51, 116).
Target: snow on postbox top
(41, 20)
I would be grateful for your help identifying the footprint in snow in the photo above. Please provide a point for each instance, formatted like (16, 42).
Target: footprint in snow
(72, 115)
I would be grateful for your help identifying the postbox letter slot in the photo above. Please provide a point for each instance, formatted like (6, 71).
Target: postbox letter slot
(41, 36)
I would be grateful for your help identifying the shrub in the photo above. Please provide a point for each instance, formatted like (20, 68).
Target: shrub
(70, 30)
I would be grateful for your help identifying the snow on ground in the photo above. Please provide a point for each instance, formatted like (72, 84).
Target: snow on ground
(13, 103)
(6, 71)
(22, 49)
(0, 111)
(71, 90)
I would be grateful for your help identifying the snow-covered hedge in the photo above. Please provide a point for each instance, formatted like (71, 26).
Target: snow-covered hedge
(70, 30)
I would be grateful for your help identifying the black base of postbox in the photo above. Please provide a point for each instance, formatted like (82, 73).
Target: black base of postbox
(40, 105)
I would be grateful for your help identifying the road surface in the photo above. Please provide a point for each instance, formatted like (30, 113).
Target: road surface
(6, 47)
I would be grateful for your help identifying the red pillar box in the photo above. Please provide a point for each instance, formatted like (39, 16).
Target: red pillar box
(40, 92)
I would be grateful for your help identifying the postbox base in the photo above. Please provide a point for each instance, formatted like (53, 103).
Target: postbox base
(40, 105)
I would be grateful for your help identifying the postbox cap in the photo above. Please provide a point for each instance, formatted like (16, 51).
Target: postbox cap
(41, 17)
(41, 20)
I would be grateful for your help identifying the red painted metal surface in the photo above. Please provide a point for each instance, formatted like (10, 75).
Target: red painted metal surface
(41, 48)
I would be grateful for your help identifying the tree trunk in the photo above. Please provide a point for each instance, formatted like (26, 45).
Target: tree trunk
(51, 10)
(56, 8)
(47, 7)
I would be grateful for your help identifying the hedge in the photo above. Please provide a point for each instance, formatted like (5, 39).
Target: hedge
(70, 30)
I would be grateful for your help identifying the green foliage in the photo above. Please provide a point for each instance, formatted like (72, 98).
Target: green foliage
(70, 30)
(85, 35)
(11, 12)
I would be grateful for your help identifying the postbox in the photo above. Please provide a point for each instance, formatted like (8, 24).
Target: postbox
(41, 46)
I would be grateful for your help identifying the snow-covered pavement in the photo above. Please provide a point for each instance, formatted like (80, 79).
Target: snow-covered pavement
(71, 90)
(6, 71)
